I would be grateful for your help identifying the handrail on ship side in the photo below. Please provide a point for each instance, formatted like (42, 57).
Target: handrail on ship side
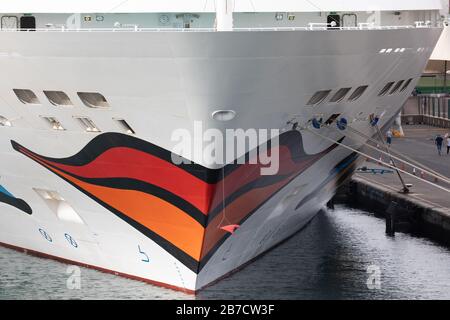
(311, 27)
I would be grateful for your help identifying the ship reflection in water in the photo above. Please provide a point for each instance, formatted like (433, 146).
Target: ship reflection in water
(329, 259)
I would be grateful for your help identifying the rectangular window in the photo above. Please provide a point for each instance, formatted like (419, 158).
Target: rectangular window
(26, 96)
(58, 98)
(340, 94)
(357, 93)
(386, 88)
(396, 87)
(318, 97)
(93, 99)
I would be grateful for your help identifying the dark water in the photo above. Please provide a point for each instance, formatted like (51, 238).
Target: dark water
(329, 259)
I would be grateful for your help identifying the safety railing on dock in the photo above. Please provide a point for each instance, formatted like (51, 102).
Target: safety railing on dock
(426, 120)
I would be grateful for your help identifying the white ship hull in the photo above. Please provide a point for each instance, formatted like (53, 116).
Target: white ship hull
(141, 216)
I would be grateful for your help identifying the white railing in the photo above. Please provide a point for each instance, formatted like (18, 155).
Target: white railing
(311, 27)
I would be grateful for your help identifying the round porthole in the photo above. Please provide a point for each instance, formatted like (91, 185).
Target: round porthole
(164, 19)
(223, 115)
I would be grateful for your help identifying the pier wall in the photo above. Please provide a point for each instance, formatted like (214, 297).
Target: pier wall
(411, 214)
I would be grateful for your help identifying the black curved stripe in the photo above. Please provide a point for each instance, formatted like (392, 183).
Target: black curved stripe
(16, 202)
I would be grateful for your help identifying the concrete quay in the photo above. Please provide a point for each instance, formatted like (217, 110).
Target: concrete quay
(426, 209)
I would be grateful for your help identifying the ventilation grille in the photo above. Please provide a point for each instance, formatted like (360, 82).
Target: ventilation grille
(87, 124)
(124, 126)
(53, 123)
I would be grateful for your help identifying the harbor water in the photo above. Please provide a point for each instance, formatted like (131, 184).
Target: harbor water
(342, 254)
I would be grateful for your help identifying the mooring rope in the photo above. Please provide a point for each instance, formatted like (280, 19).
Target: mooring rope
(409, 161)
(417, 166)
(376, 160)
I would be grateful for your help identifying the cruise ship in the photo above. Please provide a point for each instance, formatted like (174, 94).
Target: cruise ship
(93, 91)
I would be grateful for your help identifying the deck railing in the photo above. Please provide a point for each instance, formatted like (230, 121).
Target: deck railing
(310, 27)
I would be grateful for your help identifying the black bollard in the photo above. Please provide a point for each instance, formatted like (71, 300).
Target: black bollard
(330, 204)
(390, 219)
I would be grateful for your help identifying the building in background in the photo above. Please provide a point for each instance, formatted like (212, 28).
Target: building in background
(430, 102)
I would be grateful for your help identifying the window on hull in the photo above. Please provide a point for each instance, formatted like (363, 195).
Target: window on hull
(357, 93)
(406, 85)
(340, 94)
(396, 87)
(93, 99)
(58, 98)
(26, 96)
(386, 88)
(28, 23)
(9, 23)
(333, 21)
(318, 97)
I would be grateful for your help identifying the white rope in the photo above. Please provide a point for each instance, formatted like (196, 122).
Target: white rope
(370, 157)
(418, 165)
(401, 154)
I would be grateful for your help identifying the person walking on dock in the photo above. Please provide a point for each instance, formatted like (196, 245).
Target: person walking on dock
(438, 142)
(448, 143)
(389, 137)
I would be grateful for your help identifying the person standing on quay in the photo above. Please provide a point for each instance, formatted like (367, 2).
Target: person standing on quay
(448, 143)
(438, 142)
(389, 137)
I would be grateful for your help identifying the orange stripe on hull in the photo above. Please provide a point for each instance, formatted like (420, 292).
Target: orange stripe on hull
(160, 216)
(157, 215)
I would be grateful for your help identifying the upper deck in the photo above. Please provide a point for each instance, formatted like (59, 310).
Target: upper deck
(206, 15)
